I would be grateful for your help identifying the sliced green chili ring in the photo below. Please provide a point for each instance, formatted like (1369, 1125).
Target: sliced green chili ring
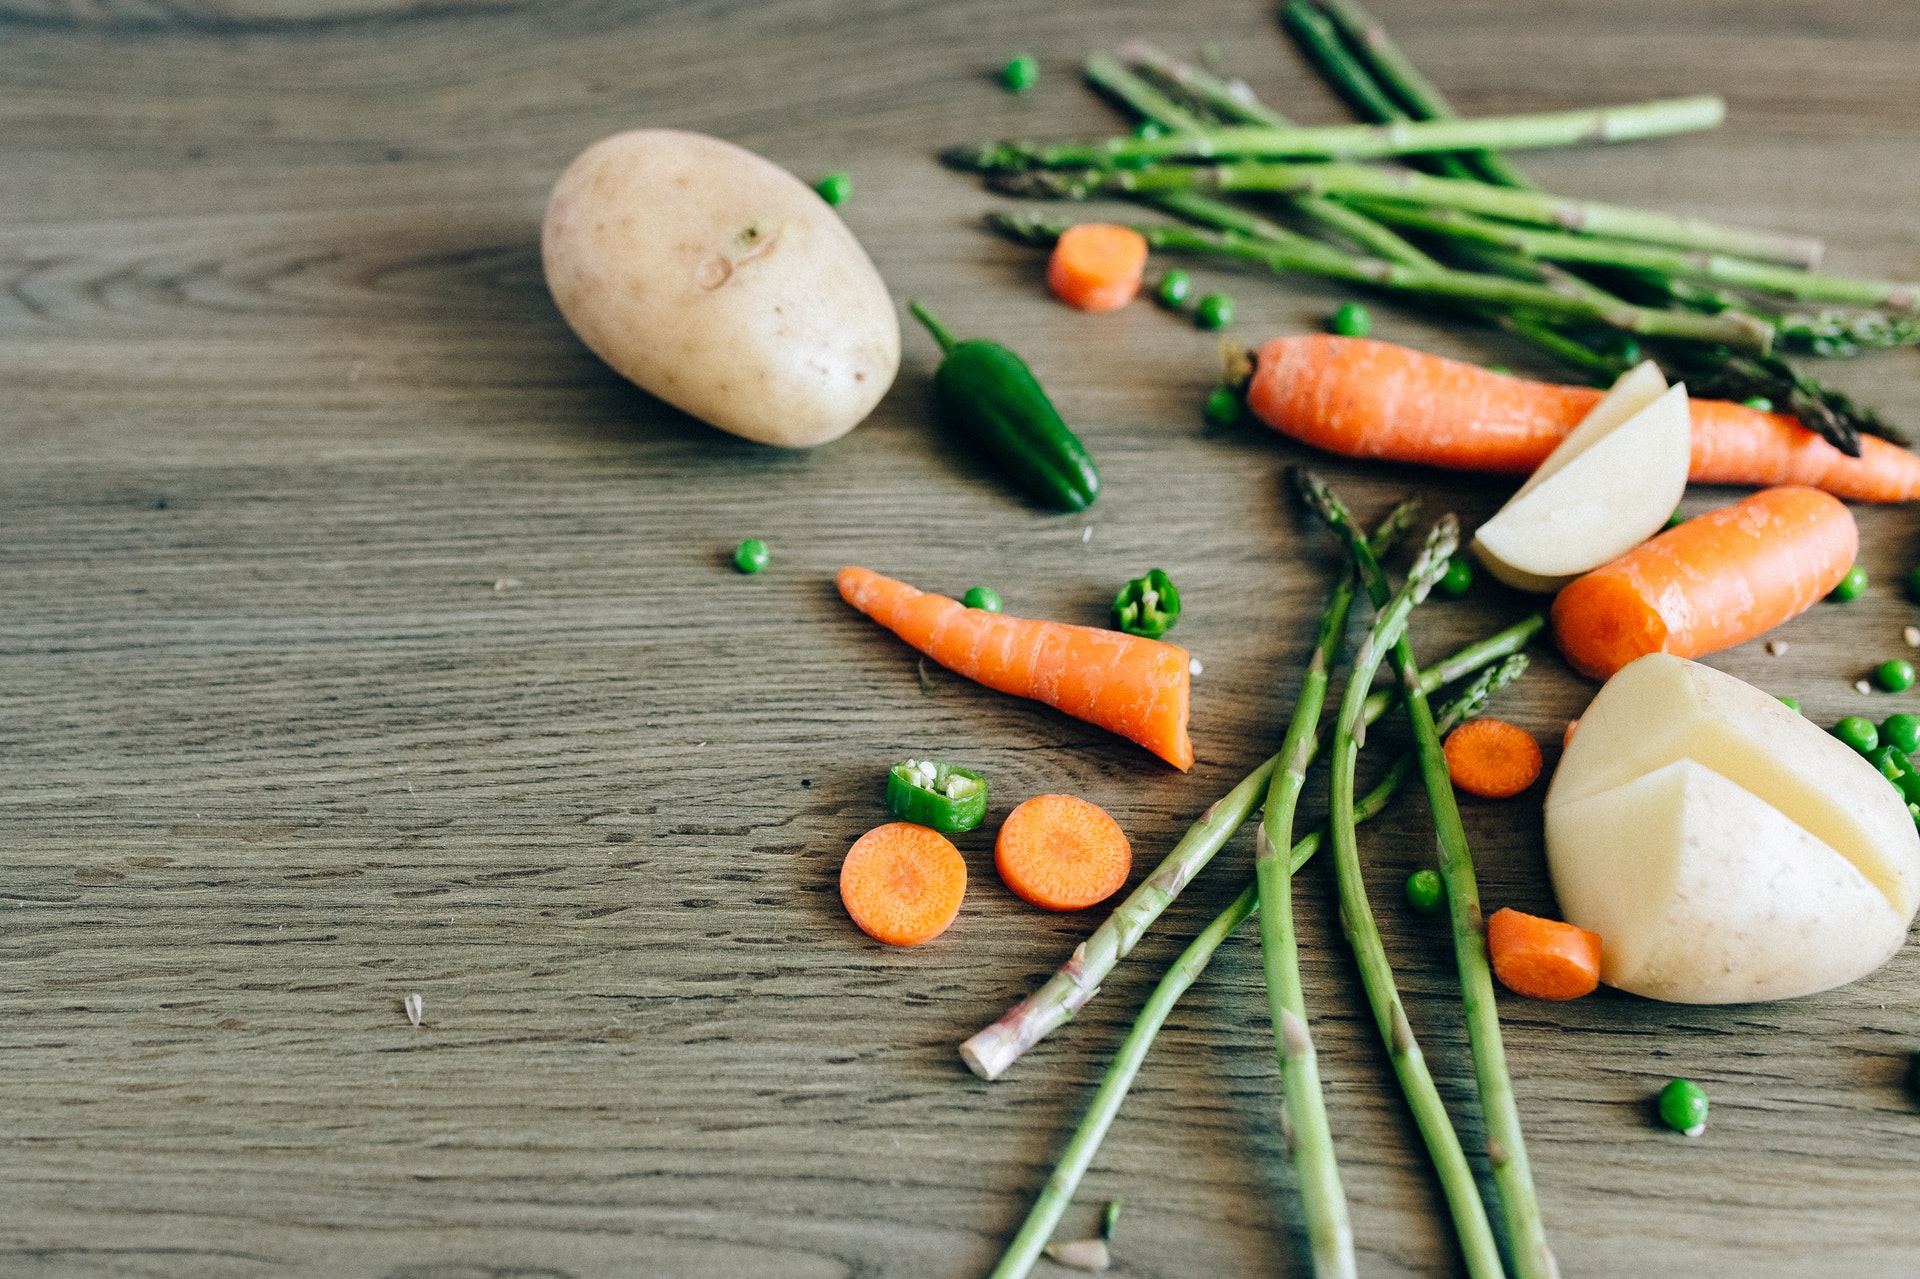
(1147, 606)
(1896, 767)
(929, 793)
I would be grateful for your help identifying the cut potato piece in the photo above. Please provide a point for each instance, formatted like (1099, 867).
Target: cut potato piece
(1603, 502)
(1638, 387)
(1661, 708)
(1703, 893)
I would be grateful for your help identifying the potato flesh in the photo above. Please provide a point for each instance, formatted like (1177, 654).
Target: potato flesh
(1632, 391)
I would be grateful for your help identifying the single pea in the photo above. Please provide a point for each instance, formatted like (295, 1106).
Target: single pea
(1630, 351)
(751, 556)
(835, 188)
(1676, 519)
(1149, 130)
(1425, 892)
(1458, 577)
(1850, 586)
(1214, 311)
(1913, 583)
(1223, 406)
(1501, 369)
(1352, 321)
(1902, 730)
(1895, 676)
(1790, 703)
(1760, 402)
(1683, 1107)
(982, 597)
(1020, 72)
(1174, 287)
(1858, 732)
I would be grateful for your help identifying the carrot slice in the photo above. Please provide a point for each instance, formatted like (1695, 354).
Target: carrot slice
(1096, 266)
(1542, 958)
(1492, 758)
(903, 883)
(1062, 853)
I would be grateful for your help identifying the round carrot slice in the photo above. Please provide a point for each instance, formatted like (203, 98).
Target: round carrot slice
(1542, 958)
(1492, 758)
(1096, 266)
(1062, 853)
(903, 883)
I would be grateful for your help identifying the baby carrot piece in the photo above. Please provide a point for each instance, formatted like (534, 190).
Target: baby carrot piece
(1715, 581)
(1062, 853)
(1129, 685)
(1542, 958)
(903, 883)
(1492, 758)
(1096, 266)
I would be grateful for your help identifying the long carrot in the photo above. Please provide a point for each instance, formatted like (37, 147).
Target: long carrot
(1132, 686)
(1715, 581)
(1364, 398)
(1096, 266)
(1542, 958)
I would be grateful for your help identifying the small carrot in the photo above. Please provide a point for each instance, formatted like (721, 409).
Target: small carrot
(1542, 958)
(1096, 266)
(1129, 685)
(903, 883)
(1363, 398)
(1715, 581)
(1492, 758)
(1059, 852)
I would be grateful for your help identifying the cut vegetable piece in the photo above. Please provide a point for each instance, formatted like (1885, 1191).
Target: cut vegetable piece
(1096, 266)
(1492, 758)
(1059, 852)
(928, 793)
(1633, 391)
(1542, 958)
(903, 883)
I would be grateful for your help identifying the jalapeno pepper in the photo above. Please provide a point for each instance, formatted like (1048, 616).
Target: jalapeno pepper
(1147, 606)
(928, 793)
(1898, 769)
(995, 400)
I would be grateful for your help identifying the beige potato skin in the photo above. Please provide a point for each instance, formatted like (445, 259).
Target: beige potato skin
(721, 283)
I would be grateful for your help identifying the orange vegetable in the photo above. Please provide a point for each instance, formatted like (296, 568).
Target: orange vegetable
(1363, 398)
(1132, 686)
(903, 883)
(1566, 738)
(1718, 580)
(1096, 266)
(1542, 958)
(1492, 758)
(1062, 853)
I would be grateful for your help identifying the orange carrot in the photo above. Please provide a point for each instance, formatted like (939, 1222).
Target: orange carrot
(1363, 398)
(1566, 738)
(1718, 580)
(1062, 853)
(1096, 266)
(1542, 958)
(1132, 686)
(903, 883)
(1492, 758)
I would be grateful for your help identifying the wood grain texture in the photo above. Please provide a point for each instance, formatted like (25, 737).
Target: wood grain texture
(360, 634)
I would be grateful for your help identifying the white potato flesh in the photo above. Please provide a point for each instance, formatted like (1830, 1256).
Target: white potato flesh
(721, 283)
(1632, 391)
(1704, 893)
(1596, 506)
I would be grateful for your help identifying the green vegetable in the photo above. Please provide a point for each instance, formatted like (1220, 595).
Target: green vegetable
(1676, 519)
(1850, 586)
(1425, 892)
(1147, 606)
(751, 556)
(1858, 733)
(1020, 72)
(1902, 730)
(1895, 676)
(982, 597)
(1352, 321)
(1214, 311)
(1898, 769)
(1149, 129)
(1224, 406)
(1457, 579)
(1913, 583)
(996, 402)
(1109, 1219)
(1760, 402)
(1683, 1107)
(1174, 286)
(835, 188)
(1790, 703)
(928, 793)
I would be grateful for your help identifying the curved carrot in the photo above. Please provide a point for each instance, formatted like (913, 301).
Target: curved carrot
(1542, 958)
(1363, 398)
(1718, 580)
(1492, 758)
(1059, 852)
(1096, 266)
(903, 883)
(1132, 686)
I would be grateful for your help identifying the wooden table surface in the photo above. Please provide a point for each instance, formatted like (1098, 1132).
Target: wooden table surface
(361, 634)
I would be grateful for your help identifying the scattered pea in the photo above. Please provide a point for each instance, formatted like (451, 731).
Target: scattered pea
(1858, 732)
(1676, 519)
(1457, 579)
(1790, 703)
(1501, 369)
(982, 597)
(1683, 1107)
(751, 556)
(1214, 311)
(1352, 321)
(1913, 583)
(1149, 130)
(1020, 73)
(835, 188)
(1223, 406)
(1895, 676)
(1425, 892)
(1629, 351)
(1760, 402)
(1174, 287)
(1850, 586)
(1902, 730)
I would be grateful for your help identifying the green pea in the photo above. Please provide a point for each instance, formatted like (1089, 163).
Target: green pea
(835, 188)
(1020, 73)
(1683, 1107)
(751, 556)
(1629, 351)
(1850, 586)
(1223, 406)
(1676, 519)
(1913, 583)
(1149, 130)
(1457, 579)
(1352, 321)
(1425, 892)
(1895, 676)
(1174, 286)
(1501, 369)
(1902, 730)
(982, 597)
(1857, 732)
(1214, 311)
(1760, 402)
(1790, 703)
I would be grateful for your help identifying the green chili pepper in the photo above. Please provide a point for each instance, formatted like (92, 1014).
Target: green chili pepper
(1147, 606)
(1898, 769)
(942, 796)
(993, 397)
(1683, 1105)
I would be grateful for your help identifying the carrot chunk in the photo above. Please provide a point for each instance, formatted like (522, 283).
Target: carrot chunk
(903, 883)
(1542, 958)
(1096, 266)
(1492, 758)
(1062, 853)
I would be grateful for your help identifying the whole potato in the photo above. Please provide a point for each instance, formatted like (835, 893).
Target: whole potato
(721, 283)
